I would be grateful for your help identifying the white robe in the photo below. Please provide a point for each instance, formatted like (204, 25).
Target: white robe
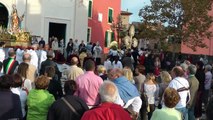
(34, 57)
(42, 57)
(19, 55)
(2, 55)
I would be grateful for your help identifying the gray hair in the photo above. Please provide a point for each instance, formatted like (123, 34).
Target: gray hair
(192, 69)
(108, 91)
(184, 66)
(208, 67)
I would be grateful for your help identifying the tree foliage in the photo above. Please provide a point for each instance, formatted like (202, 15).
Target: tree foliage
(187, 21)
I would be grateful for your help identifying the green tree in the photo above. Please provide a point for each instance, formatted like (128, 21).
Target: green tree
(187, 21)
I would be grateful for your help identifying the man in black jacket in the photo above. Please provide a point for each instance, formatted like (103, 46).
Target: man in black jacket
(50, 62)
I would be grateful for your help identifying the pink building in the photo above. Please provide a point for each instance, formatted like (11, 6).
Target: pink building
(201, 51)
(101, 15)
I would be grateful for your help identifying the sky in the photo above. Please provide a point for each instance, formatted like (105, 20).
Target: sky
(133, 6)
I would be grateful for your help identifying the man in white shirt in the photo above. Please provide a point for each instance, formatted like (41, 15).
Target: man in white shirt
(182, 86)
(97, 53)
(108, 64)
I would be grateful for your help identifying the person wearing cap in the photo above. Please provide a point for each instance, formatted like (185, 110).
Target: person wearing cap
(49, 62)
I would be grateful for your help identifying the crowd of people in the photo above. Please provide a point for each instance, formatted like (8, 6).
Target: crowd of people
(131, 84)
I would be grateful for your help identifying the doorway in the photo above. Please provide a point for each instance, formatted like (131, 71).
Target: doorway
(3, 16)
(57, 30)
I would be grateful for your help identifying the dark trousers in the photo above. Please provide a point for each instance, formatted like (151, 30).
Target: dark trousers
(152, 108)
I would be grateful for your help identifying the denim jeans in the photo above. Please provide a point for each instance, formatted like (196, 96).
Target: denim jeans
(191, 115)
(184, 112)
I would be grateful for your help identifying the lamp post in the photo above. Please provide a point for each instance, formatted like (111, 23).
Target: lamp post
(118, 26)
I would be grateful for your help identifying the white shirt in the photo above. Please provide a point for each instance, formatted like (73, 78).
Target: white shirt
(27, 84)
(208, 80)
(118, 65)
(42, 57)
(135, 103)
(34, 57)
(177, 83)
(19, 55)
(113, 52)
(97, 51)
(55, 45)
(108, 64)
(23, 97)
(2, 55)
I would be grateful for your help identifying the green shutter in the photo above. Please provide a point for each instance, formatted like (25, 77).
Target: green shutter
(106, 39)
(112, 36)
(88, 35)
(110, 17)
(90, 9)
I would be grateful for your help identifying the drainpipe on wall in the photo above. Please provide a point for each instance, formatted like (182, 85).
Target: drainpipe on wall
(74, 19)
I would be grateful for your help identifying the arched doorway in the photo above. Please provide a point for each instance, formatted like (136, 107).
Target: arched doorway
(3, 15)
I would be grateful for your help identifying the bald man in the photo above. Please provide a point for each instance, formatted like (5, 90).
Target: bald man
(31, 73)
(74, 70)
(107, 110)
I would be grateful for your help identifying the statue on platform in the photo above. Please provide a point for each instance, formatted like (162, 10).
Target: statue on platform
(129, 40)
(15, 20)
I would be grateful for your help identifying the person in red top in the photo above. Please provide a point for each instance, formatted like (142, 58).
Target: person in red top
(107, 110)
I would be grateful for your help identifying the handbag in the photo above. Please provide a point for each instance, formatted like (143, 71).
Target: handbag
(71, 107)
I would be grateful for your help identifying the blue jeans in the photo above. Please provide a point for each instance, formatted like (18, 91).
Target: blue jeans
(191, 115)
(184, 112)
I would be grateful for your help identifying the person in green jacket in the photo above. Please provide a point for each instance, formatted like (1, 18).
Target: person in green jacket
(168, 112)
(39, 100)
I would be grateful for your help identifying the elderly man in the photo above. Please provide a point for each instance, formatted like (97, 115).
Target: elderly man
(74, 70)
(107, 110)
(129, 95)
(31, 73)
(180, 84)
(10, 64)
(193, 86)
(50, 62)
(207, 83)
(88, 85)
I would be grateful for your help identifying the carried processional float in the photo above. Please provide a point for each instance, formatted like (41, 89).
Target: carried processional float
(14, 35)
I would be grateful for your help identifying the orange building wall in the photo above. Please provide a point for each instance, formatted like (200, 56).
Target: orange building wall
(99, 28)
(201, 51)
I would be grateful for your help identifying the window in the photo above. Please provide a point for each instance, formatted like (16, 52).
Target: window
(110, 15)
(89, 34)
(109, 37)
(90, 9)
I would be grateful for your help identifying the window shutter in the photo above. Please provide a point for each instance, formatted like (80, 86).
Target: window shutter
(90, 9)
(113, 36)
(88, 35)
(106, 39)
(110, 16)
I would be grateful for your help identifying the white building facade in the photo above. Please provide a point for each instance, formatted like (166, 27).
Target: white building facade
(44, 18)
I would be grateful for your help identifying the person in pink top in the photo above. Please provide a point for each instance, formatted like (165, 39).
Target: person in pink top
(88, 85)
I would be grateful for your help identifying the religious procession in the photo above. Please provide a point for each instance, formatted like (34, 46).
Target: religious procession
(54, 78)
